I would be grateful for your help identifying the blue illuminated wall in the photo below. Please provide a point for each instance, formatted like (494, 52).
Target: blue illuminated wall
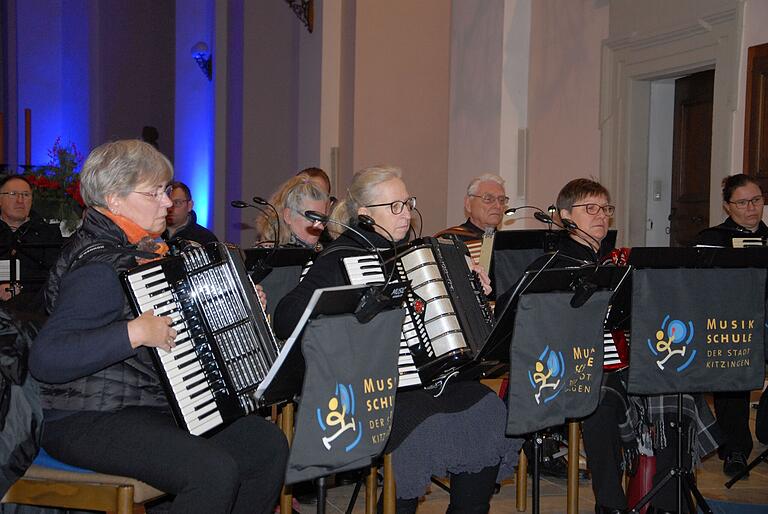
(194, 106)
(53, 73)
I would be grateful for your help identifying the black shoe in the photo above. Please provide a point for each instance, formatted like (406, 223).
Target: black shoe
(652, 509)
(599, 509)
(734, 464)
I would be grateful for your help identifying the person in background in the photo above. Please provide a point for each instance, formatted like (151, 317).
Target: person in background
(318, 177)
(104, 405)
(294, 197)
(743, 201)
(485, 203)
(182, 220)
(20, 225)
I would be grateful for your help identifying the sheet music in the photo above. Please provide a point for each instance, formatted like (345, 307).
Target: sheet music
(5, 270)
(281, 357)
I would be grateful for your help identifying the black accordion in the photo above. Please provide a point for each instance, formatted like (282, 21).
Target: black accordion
(224, 344)
(447, 318)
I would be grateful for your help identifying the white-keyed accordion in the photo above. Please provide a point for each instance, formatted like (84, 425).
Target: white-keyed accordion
(224, 344)
(447, 318)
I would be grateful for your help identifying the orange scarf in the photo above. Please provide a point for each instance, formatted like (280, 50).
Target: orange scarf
(144, 240)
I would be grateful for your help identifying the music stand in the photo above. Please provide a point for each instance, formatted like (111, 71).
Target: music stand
(286, 376)
(698, 257)
(515, 250)
(547, 280)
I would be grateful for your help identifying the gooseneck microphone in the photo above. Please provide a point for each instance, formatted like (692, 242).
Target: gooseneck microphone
(374, 299)
(513, 210)
(368, 221)
(323, 218)
(573, 228)
(261, 201)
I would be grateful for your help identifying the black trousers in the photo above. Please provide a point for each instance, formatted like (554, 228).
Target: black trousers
(602, 444)
(470, 494)
(732, 412)
(240, 469)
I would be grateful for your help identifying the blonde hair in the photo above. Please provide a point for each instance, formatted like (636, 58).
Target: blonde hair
(118, 167)
(361, 192)
(291, 194)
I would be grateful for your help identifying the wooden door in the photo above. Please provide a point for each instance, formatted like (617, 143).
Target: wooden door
(756, 116)
(691, 157)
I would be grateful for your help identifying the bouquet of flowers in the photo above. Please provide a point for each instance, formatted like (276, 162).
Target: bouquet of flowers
(57, 187)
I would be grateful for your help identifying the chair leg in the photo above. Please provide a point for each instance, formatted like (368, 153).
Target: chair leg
(389, 485)
(521, 483)
(574, 435)
(286, 424)
(125, 500)
(371, 486)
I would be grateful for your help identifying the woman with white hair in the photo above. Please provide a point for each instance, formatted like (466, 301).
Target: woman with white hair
(104, 406)
(459, 433)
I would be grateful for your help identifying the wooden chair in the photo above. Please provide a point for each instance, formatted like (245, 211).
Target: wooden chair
(46, 486)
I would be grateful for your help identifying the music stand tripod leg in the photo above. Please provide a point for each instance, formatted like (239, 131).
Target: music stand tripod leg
(535, 476)
(685, 482)
(744, 472)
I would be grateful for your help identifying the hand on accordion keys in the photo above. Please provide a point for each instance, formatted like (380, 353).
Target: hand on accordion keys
(482, 274)
(262, 296)
(151, 330)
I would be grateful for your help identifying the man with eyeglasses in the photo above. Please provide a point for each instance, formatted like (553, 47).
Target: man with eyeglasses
(743, 202)
(182, 220)
(485, 203)
(21, 227)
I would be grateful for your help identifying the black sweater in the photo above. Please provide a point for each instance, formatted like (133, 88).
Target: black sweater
(724, 233)
(411, 406)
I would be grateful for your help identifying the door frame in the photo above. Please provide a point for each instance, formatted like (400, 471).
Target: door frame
(629, 65)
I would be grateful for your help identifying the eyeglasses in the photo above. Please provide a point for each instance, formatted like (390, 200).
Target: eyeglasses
(742, 204)
(26, 195)
(398, 205)
(179, 203)
(157, 195)
(593, 208)
(489, 198)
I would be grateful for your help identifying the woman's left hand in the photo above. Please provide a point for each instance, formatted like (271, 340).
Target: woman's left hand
(485, 280)
(262, 295)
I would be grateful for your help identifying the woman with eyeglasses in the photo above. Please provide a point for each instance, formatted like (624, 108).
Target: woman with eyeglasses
(461, 432)
(296, 196)
(104, 406)
(612, 433)
(743, 202)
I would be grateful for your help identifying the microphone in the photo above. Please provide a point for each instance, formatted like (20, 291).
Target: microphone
(572, 227)
(259, 200)
(513, 210)
(262, 268)
(546, 218)
(374, 299)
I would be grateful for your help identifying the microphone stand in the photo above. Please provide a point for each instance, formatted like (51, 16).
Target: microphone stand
(262, 268)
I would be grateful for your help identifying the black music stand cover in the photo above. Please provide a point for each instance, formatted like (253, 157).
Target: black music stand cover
(556, 353)
(515, 250)
(697, 330)
(347, 400)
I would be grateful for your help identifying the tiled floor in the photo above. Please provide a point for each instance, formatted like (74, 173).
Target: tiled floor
(753, 489)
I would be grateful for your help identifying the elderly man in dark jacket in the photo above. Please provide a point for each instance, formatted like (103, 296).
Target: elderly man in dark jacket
(182, 220)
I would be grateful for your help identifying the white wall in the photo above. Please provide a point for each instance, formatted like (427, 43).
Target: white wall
(660, 137)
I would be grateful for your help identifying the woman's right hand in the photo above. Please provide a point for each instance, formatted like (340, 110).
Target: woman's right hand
(151, 330)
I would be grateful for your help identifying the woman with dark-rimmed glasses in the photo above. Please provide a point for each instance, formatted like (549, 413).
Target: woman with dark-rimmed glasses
(743, 201)
(461, 432)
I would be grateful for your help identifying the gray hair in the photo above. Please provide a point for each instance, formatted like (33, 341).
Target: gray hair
(485, 177)
(361, 192)
(118, 167)
(291, 194)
